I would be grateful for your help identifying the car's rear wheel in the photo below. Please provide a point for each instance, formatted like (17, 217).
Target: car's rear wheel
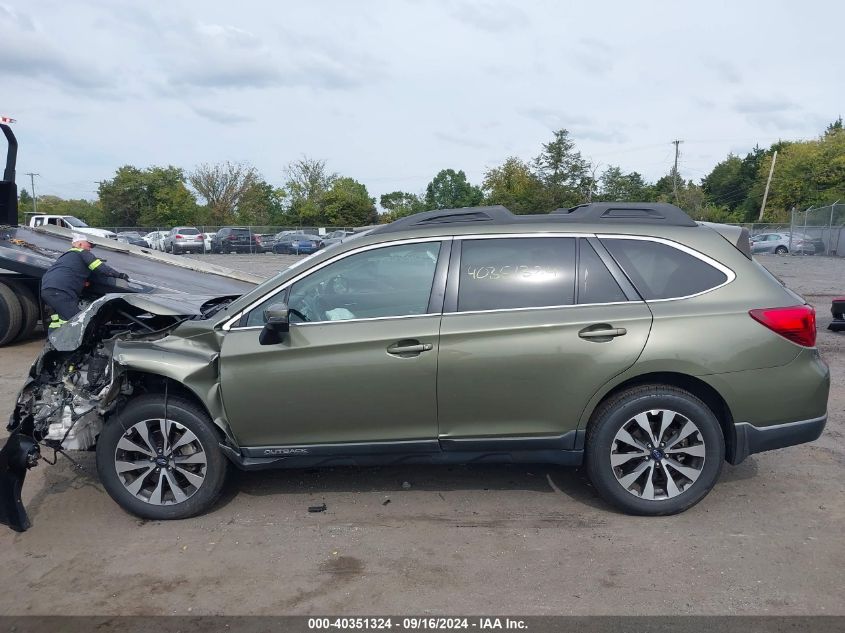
(781, 250)
(161, 459)
(654, 450)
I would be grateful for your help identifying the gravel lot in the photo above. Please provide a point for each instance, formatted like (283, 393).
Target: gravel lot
(471, 540)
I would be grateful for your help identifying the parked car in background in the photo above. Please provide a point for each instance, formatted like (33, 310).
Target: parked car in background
(236, 239)
(297, 243)
(68, 222)
(779, 244)
(132, 237)
(151, 239)
(184, 239)
(207, 239)
(336, 236)
(816, 240)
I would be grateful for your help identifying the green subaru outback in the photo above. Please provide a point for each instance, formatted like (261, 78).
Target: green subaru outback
(625, 337)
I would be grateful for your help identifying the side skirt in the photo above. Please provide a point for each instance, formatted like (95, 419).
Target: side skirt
(256, 458)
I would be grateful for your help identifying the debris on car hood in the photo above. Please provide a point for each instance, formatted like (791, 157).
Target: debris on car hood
(70, 336)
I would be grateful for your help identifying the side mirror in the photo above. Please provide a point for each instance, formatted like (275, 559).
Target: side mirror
(275, 324)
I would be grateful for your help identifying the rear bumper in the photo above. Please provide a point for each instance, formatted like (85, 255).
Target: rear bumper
(750, 439)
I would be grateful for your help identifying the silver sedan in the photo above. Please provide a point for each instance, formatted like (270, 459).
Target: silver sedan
(779, 243)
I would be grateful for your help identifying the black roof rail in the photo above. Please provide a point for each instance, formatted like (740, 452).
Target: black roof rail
(633, 212)
(595, 212)
(497, 214)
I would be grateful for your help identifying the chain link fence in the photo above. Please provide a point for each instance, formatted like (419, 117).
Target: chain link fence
(820, 226)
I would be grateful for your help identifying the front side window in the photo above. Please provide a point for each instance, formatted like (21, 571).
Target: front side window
(511, 273)
(390, 281)
(660, 271)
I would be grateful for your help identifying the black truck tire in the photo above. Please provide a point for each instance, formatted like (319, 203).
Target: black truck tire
(29, 306)
(11, 315)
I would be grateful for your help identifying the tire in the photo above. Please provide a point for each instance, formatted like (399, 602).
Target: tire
(188, 422)
(11, 315)
(29, 306)
(781, 250)
(612, 462)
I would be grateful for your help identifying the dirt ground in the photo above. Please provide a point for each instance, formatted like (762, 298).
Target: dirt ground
(459, 540)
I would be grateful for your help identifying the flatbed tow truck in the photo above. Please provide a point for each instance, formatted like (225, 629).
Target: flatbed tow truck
(26, 253)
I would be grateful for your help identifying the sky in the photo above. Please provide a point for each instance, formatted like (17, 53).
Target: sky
(391, 92)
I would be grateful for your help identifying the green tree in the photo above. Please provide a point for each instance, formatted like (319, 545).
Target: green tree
(156, 196)
(307, 183)
(222, 186)
(562, 171)
(24, 205)
(87, 211)
(449, 189)
(399, 204)
(514, 185)
(348, 203)
(262, 204)
(616, 186)
(808, 173)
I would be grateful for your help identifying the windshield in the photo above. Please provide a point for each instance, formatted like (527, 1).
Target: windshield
(74, 221)
(187, 231)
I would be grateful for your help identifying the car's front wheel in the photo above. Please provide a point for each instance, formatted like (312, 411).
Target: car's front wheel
(654, 450)
(160, 458)
(781, 250)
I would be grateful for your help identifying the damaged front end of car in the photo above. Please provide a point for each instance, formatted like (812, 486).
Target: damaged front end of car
(78, 381)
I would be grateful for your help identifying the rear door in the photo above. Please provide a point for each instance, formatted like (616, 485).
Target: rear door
(532, 327)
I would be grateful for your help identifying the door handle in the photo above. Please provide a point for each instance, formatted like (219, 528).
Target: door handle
(609, 332)
(403, 348)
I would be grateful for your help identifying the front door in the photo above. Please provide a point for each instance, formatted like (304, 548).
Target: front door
(359, 364)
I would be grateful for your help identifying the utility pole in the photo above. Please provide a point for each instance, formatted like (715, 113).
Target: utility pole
(32, 182)
(676, 143)
(768, 182)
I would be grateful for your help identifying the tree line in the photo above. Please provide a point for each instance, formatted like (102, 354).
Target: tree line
(807, 173)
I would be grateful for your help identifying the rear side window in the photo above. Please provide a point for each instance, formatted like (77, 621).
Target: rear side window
(660, 271)
(512, 273)
(595, 283)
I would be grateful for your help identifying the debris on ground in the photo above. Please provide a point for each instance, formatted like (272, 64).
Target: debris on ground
(319, 508)
(385, 502)
(406, 485)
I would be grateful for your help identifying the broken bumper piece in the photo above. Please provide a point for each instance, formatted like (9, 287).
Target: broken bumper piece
(18, 455)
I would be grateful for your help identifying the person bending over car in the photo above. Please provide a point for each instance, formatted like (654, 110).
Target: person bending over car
(62, 284)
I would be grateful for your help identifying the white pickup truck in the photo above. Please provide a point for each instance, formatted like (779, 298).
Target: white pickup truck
(68, 222)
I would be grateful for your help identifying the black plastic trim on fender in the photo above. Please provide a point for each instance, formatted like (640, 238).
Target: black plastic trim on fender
(750, 439)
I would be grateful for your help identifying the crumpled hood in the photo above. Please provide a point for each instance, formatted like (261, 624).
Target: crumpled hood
(70, 336)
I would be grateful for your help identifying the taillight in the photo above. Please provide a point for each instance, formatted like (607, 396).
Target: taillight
(258, 239)
(178, 237)
(233, 237)
(797, 323)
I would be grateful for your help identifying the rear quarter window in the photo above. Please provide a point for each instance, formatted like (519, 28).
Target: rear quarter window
(660, 271)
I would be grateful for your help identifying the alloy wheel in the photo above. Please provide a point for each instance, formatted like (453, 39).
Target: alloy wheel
(657, 454)
(161, 462)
